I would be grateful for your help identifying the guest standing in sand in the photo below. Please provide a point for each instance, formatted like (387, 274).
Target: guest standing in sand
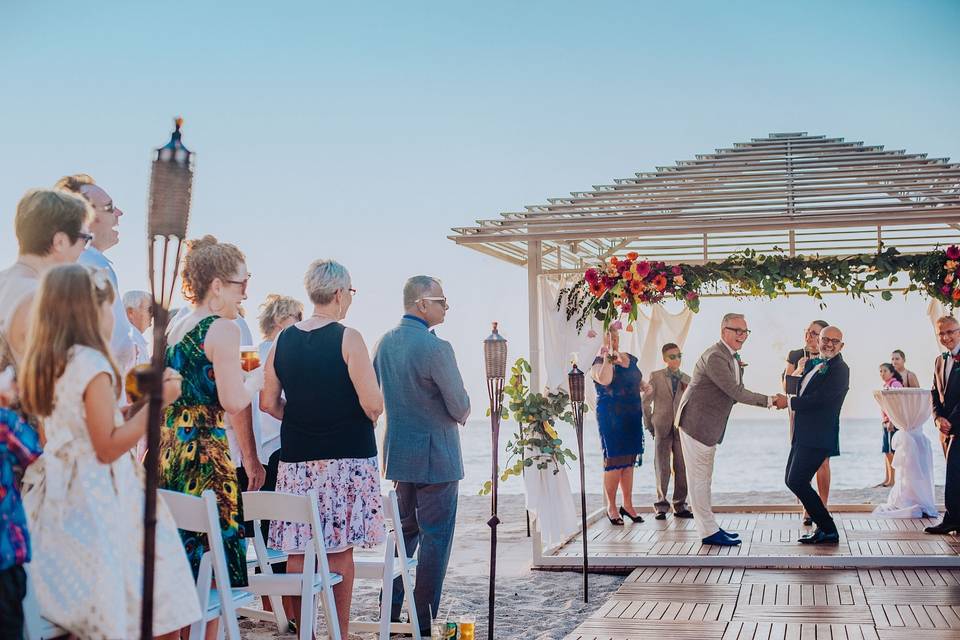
(891, 380)
(426, 403)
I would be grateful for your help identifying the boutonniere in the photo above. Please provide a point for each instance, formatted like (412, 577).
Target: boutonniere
(946, 356)
(736, 356)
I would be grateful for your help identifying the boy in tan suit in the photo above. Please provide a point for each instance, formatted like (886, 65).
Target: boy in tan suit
(659, 414)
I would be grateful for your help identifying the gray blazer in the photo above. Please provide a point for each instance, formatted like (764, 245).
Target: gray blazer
(705, 406)
(425, 403)
(660, 405)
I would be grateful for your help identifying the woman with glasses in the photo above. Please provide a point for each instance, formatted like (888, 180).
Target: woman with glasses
(619, 383)
(319, 382)
(796, 360)
(205, 350)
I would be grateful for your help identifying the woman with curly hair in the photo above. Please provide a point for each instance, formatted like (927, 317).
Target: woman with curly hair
(205, 349)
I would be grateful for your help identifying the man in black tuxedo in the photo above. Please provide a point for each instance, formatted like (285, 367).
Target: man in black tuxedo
(946, 415)
(816, 429)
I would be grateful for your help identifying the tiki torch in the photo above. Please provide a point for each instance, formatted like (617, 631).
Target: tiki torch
(168, 210)
(575, 381)
(495, 358)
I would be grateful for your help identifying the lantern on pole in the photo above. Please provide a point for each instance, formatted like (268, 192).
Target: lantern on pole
(575, 380)
(168, 210)
(495, 359)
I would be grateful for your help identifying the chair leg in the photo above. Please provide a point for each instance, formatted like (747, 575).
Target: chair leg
(408, 600)
(276, 603)
(308, 615)
(330, 612)
(386, 596)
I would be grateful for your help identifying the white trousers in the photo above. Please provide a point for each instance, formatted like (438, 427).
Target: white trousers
(699, 460)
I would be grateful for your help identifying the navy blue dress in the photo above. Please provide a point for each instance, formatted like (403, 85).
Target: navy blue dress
(620, 416)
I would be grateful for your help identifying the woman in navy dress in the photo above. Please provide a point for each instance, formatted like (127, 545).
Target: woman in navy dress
(619, 383)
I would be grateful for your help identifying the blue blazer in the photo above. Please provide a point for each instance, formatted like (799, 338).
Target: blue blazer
(425, 403)
(816, 422)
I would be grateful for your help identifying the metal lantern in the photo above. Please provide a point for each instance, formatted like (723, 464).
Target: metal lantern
(575, 379)
(171, 187)
(495, 359)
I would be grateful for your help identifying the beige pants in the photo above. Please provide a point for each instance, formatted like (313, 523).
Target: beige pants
(667, 462)
(699, 460)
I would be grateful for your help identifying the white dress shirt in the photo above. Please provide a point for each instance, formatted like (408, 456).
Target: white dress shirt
(121, 342)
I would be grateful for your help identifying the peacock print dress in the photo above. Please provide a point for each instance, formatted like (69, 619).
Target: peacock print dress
(194, 453)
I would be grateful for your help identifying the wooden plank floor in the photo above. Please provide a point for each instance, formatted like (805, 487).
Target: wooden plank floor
(863, 537)
(670, 603)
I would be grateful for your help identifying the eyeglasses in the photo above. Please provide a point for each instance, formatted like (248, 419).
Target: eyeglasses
(739, 332)
(812, 333)
(831, 341)
(674, 356)
(441, 300)
(242, 283)
(353, 292)
(944, 334)
(86, 237)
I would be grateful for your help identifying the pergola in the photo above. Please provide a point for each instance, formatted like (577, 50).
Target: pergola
(788, 192)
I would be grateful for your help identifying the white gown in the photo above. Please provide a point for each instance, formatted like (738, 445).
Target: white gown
(86, 527)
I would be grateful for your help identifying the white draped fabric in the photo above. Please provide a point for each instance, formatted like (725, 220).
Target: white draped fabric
(549, 497)
(912, 493)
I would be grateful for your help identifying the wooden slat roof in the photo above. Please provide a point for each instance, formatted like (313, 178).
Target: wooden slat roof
(794, 192)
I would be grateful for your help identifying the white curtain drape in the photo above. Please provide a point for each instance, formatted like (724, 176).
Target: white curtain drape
(549, 496)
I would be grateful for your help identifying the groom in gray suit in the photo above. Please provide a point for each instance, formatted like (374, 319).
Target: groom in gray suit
(717, 385)
(425, 403)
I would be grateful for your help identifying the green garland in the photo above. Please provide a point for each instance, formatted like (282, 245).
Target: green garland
(617, 287)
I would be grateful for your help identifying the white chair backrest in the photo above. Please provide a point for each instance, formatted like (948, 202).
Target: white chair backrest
(393, 514)
(199, 514)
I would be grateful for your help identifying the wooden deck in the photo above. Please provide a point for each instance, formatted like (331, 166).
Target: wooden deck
(769, 540)
(674, 603)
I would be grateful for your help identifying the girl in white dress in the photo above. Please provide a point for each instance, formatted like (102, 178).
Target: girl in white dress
(84, 496)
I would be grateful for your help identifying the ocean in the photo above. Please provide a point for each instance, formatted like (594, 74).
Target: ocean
(751, 458)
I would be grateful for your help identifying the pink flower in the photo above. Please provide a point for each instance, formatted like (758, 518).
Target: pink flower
(617, 325)
(591, 334)
(676, 270)
(692, 295)
(949, 278)
(953, 252)
(678, 280)
(643, 269)
(945, 289)
(626, 307)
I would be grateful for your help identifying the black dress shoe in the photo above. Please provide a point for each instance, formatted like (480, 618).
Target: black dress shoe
(624, 513)
(684, 513)
(820, 537)
(942, 529)
(660, 516)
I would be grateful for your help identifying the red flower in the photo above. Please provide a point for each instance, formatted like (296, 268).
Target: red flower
(956, 295)
(626, 306)
(596, 289)
(591, 276)
(633, 255)
(692, 295)
(636, 287)
(676, 270)
(643, 269)
(660, 282)
(945, 289)
(953, 252)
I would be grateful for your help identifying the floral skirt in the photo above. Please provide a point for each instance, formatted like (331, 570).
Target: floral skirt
(351, 509)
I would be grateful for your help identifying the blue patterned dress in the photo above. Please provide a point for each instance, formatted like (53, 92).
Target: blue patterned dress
(620, 416)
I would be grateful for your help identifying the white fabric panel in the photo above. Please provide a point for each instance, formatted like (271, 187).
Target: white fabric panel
(912, 493)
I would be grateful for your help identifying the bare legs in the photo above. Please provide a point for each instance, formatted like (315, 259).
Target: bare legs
(342, 563)
(622, 478)
(890, 474)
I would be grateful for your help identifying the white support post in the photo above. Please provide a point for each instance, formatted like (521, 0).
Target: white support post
(534, 260)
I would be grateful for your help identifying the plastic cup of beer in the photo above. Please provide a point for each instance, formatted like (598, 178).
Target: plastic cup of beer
(438, 630)
(466, 626)
(249, 358)
(131, 383)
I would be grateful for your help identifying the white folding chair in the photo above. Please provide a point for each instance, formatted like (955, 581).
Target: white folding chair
(200, 515)
(35, 626)
(394, 564)
(270, 505)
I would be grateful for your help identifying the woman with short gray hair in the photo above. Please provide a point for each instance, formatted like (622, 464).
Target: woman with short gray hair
(319, 382)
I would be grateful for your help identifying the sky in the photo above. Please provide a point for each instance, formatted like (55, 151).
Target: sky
(365, 132)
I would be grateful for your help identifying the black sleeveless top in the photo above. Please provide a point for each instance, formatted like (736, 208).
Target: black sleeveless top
(322, 419)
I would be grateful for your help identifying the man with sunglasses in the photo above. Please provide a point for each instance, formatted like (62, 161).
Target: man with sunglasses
(946, 416)
(426, 403)
(716, 385)
(659, 414)
(816, 429)
(51, 229)
(103, 226)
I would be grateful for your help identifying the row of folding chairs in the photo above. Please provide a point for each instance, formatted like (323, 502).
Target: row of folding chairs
(219, 601)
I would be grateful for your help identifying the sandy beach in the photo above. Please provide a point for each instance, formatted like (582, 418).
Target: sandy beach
(534, 605)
